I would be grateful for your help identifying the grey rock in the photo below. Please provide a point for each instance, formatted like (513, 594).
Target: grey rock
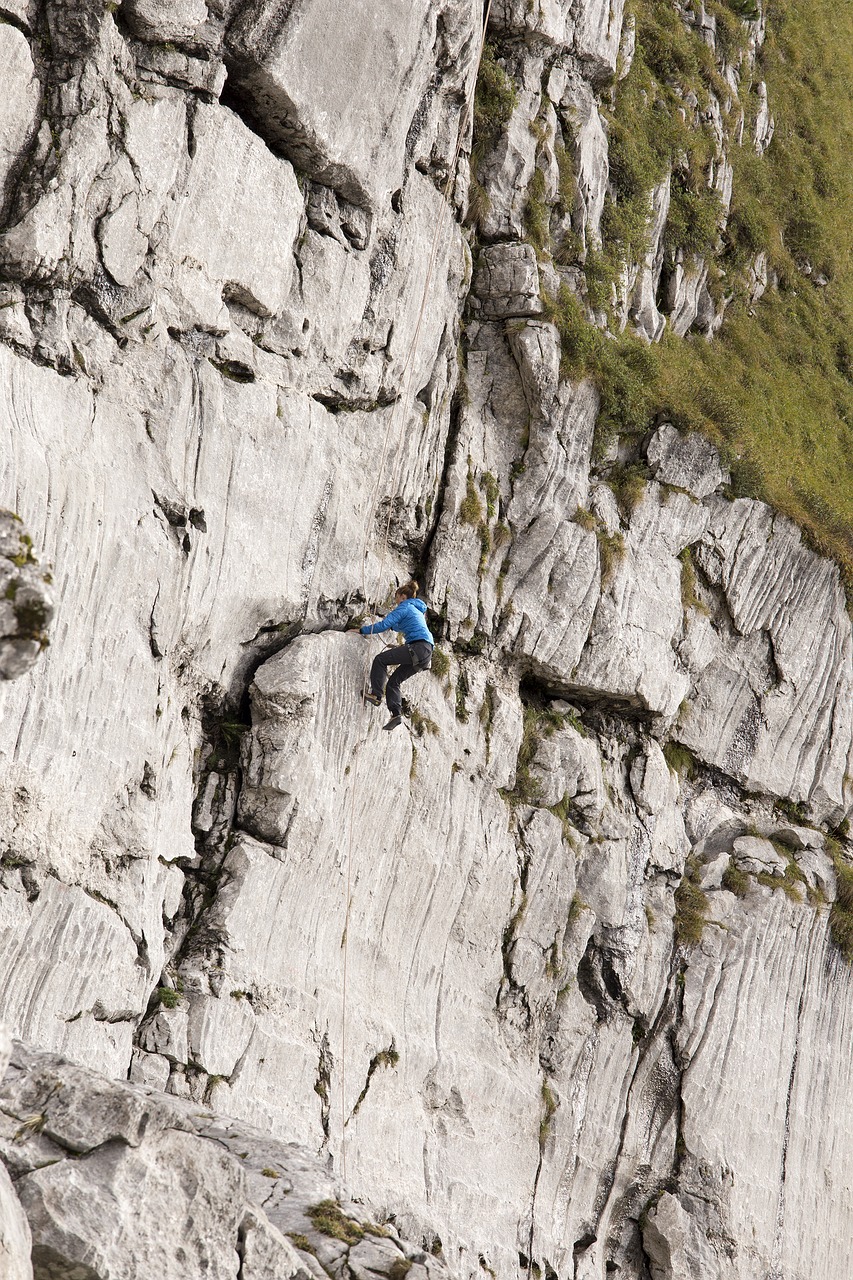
(276, 51)
(506, 282)
(711, 875)
(220, 387)
(15, 1238)
(685, 461)
(765, 124)
(20, 115)
(684, 288)
(589, 152)
(598, 36)
(642, 306)
(147, 19)
(753, 854)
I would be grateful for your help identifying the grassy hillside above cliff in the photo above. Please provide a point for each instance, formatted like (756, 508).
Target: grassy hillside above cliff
(776, 386)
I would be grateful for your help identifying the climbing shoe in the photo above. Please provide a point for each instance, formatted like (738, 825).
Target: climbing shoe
(393, 722)
(373, 698)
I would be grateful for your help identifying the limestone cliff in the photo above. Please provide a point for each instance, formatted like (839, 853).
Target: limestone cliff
(273, 337)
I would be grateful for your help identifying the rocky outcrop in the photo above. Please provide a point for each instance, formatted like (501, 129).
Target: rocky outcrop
(117, 1180)
(549, 977)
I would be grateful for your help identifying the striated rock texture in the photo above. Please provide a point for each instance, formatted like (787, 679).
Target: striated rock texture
(549, 976)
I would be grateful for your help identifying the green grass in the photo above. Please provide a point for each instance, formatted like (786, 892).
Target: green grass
(689, 596)
(440, 663)
(328, 1218)
(736, 881)
(471, 508)
(774, 389)
(841, 915)
(691, 906)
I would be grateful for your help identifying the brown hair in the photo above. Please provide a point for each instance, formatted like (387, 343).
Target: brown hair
(408, 589)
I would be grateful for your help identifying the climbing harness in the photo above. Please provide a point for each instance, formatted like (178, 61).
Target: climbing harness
(408, 371)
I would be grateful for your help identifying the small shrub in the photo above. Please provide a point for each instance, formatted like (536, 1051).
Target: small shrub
(168, 998)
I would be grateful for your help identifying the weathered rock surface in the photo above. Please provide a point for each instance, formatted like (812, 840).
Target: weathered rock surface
(232, 419)
(117, 1181)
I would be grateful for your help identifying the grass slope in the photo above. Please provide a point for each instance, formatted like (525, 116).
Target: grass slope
(776, 386)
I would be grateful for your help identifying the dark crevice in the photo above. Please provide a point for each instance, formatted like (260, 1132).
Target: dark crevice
(385, 1058)
(323, 1086)
(424, 566)
(240, 102)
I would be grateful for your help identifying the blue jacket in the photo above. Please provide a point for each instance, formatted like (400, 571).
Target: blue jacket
(407, 617)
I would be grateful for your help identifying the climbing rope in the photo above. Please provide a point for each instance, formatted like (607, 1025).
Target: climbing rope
(407, 372)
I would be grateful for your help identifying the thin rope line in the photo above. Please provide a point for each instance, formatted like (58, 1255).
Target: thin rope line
(399, 405)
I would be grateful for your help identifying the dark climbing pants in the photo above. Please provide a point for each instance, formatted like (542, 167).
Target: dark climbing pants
(409, 659)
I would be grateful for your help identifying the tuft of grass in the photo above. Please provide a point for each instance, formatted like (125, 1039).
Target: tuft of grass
(471, 508)
(736, 881)
(691, 906)
(168, 998)
(328, 1218)
(611, 552)
(629, 488)
(491, 489)
(462, 691)
(422, 724)
(537, 214)
(301, 1241)
(680, 759)
(550, 1105)
(440, 663)
(841, 914)
(689, 596)
(494, 100)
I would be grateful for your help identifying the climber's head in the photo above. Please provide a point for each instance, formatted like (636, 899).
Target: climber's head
(407, 592)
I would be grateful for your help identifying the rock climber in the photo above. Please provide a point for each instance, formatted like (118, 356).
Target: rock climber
(415, 655)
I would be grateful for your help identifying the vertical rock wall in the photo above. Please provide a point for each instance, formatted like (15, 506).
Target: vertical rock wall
(594, 1021)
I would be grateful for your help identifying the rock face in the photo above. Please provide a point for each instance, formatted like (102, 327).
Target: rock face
(119, 1181)
(548, 976)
